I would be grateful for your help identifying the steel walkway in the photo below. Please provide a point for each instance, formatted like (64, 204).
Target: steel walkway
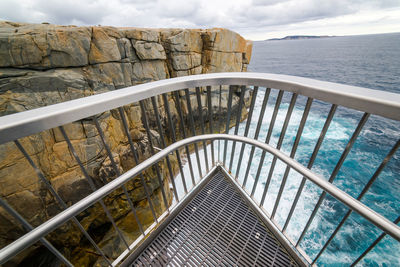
(216, 228)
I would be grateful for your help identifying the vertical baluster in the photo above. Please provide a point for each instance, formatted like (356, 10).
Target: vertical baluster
(90, 181)
(196, 149)
(59, 200)
(136, 157)
(293, 153)
(311, 162)
(257, 132)
(280, 142)
(200, 110)
(373, 245)
(219, 122)
(247, 128)
(182, 126)
(146, 126)
(228, 119)
(163, 145)
(335, 171)
(360, 196)
(114, 165)
(210, 120)
(238, 116)
(29, 227)
(173, 136)
(271, 127)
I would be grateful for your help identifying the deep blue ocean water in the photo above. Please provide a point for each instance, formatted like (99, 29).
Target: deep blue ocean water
(370, 61)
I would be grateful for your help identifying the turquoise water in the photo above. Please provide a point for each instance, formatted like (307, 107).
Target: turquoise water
(367, 61)
(359, 166)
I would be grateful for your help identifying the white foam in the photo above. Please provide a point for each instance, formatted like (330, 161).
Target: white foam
(339, 132)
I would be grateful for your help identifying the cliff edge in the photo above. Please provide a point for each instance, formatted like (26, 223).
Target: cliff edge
(69, 62)
(42, 64)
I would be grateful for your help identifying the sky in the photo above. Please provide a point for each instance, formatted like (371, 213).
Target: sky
(253, 19)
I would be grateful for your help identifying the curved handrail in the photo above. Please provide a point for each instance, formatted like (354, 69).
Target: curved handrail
(25, 123)
(40, 231)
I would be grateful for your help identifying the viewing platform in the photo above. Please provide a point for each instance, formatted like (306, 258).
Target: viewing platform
(217, 227)
(213, 215)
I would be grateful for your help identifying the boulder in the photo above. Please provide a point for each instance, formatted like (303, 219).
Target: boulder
(185, 61)
(149, 35)
(39, 46)
(224, 40)
(183, 40)
(103, 47)
(147, 71)
(148, 50)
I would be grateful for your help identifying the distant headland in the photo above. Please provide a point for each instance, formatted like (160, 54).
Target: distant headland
(297, 37)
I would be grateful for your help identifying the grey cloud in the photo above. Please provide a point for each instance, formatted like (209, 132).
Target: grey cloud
(239, 15)
(272, 12)
(65, 12)
(297, 11)
(267, 2)
(18, 12)
(57, 12)
(378, 3)
(177, 8)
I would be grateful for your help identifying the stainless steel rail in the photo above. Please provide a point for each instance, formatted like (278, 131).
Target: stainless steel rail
(40, 231)
(16, 126)
(26, 123)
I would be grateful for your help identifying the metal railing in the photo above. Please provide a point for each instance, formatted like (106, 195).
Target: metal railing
(208, 116)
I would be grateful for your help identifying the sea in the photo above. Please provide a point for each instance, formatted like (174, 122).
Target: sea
(370, 61)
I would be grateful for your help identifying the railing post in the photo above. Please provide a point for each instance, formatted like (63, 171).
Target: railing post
(160, 181)
(373, 245)
(59, 200)
(114, 165)
(210, 120)
(196, 149)
(269, 134)
(335, 172)
(135, 156)
(200, 111)
(163, 145)
(257, 132)
(292, 153)
(246, 130)
(280, 142)
(360, 196)
(238, 116)
(29, 227)
(219, 122)
(91, 183)
(173, 136)
(228, 119)
(311, 162)
(182, 126)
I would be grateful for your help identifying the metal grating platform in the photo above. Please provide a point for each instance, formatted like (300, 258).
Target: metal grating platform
(216, 228)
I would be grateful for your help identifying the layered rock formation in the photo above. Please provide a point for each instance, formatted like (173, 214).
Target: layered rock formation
(43, 64)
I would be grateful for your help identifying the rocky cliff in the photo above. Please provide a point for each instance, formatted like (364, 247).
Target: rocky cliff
(42, 64)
